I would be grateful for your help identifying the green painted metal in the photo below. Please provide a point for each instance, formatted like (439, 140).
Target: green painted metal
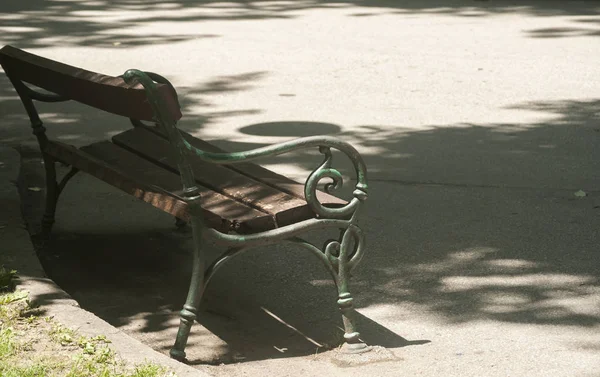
(53, 188)
(339, 257)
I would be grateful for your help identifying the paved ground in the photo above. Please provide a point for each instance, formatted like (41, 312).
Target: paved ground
(478, 121)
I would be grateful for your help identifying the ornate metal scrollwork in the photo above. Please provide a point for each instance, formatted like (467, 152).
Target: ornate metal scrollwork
(310, 188)
(340, 256)
(334, 250)
(324, 143)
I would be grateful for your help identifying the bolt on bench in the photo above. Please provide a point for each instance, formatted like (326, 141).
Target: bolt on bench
(227, 200)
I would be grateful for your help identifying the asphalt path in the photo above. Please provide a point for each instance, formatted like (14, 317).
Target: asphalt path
(479, 122)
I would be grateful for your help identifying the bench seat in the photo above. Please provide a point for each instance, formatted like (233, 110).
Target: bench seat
(246, 198)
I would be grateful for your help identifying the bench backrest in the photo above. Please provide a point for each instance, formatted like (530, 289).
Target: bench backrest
(103, 92)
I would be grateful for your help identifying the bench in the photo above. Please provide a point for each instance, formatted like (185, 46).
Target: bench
(223, 196)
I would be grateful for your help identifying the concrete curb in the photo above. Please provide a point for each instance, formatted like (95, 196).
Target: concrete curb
(19, 254)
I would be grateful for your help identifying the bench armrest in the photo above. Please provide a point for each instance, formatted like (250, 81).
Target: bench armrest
(323, 143)
(324, 170)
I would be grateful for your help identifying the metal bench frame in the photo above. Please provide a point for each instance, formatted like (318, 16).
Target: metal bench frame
(339, 256)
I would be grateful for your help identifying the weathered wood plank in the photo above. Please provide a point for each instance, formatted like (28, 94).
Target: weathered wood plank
(231, 211)
(284, 207)
(257, 172)
(156, 186)
(104, 92)
(156, 196)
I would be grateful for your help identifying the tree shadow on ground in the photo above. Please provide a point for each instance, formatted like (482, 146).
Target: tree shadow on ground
(550, 153)
(582, 28)
(78, 124)
(40, 23)
(519, 250)
(138, 282)
(465, 223)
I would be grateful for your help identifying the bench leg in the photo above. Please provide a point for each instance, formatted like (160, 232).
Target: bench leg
(190, 309)
(53, 191)
(352, 342)
(51, 195)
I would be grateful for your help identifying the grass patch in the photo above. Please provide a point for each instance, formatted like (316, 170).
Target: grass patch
(29, 371)
(7, 342)
(7, 279)
(31, 346)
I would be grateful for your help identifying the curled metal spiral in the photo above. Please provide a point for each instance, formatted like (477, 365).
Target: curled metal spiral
(310, 189)
(335, 249)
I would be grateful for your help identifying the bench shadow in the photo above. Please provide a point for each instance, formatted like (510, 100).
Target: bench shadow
(260, 306)
(271, 302)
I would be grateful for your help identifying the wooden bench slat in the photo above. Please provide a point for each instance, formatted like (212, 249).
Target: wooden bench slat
(107, 93)
(259, 173)
(285, 207)
(161, 199)
(143, 170)
(155, 185)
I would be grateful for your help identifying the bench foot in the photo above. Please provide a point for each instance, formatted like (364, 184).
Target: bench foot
(354, 348)
(188, 316)
(352, 342)
(177, 354)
